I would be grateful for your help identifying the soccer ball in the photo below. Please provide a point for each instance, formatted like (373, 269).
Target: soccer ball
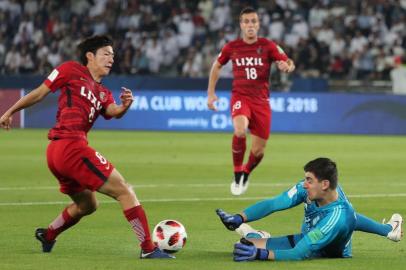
(169, 235)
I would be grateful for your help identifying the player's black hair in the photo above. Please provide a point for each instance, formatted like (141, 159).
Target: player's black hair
(92, 44)
(247, 10)
(323, 169)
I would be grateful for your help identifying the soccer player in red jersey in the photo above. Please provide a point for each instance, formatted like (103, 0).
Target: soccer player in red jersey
(251, 57)
(80, 169)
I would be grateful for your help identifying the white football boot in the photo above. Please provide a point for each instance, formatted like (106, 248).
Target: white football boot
(245, 182)
(237, 188)
(396, 222)
(247, 231)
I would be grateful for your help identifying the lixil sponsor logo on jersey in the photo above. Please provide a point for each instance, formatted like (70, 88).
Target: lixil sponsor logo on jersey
(91, 97)
(249, 61)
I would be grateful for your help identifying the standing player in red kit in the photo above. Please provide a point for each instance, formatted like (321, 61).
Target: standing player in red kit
(251, 57)
(80, 169)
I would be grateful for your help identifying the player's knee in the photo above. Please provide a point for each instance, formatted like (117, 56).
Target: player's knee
(124, 190)
(88, 208)
(127, 197)
(240, 133)
(130, 189)
(258, 151)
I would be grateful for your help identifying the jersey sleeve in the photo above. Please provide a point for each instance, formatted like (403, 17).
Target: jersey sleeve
(58, 77)
(224, 55)
(288, 199)
(276, 53)
(324, 233)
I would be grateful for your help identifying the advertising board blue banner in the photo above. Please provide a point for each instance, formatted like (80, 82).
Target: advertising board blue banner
(291, 112)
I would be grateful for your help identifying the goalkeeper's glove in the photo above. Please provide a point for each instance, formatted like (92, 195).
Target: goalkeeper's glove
(247, 251)
(231, 222)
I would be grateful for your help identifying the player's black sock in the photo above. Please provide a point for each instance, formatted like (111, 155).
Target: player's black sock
(237, 177)
(245, 179)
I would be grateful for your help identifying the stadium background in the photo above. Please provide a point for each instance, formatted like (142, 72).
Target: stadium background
(344, 52)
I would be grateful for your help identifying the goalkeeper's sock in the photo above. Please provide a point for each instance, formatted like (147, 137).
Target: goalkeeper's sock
(139, 223)
(253, 161)
(63, 222)
(366, 224)
(238, 151)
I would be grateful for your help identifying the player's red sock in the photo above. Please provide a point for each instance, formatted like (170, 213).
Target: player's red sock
(238, 149)
(253, 161)
(139, 223)
(63, 222)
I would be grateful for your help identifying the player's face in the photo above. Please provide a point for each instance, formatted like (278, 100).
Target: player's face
(103, 60)
(249, 24)
(314, 187)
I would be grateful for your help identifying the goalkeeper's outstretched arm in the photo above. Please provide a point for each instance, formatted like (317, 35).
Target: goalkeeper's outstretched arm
(285, 200)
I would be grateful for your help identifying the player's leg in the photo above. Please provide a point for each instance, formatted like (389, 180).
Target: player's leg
(259, 126)
(84, 200)
(84, 203)
(240, 124)
(392, 230)
(256, 153)
(240, 112)
(117, 188)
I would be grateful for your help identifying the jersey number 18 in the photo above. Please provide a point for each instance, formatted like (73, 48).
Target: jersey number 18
(251, 73)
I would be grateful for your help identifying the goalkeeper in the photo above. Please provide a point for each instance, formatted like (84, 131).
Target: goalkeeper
(329, 220)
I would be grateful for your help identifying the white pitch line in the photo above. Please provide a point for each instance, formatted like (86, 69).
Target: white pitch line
(177, 185)
(194, 199)
(28, 188)
(154, 186)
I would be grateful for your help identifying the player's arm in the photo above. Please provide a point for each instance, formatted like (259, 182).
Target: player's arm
(28, 100)
(288, 199)
(286, 66)
(283, 63)
(285, 200)
(255, 249)
(301, 251)
(211, 89)
(117, 111)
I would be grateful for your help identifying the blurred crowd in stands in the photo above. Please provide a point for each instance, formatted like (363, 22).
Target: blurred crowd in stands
(341, 39)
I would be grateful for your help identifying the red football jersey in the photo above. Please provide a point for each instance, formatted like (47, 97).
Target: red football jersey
(80, 102)
(251, 65)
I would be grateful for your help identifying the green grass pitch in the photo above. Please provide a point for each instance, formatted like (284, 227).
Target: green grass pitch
(186, 176)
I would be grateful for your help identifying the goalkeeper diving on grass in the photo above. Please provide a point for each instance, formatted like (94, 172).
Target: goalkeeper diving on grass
(329, 221)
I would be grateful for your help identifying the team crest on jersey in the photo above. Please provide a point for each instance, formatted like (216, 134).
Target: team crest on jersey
(259, 50)
(102, 96)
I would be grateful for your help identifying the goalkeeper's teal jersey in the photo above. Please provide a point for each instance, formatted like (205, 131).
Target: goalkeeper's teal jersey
(326, 230)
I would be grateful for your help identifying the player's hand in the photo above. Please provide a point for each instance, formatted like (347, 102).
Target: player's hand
(247, 251)
(210, 102)
(5, 121)
(126, 97)
(285, 66)
(231, 222)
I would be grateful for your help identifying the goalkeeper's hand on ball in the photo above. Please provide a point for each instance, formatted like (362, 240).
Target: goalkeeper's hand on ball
(231, 222)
